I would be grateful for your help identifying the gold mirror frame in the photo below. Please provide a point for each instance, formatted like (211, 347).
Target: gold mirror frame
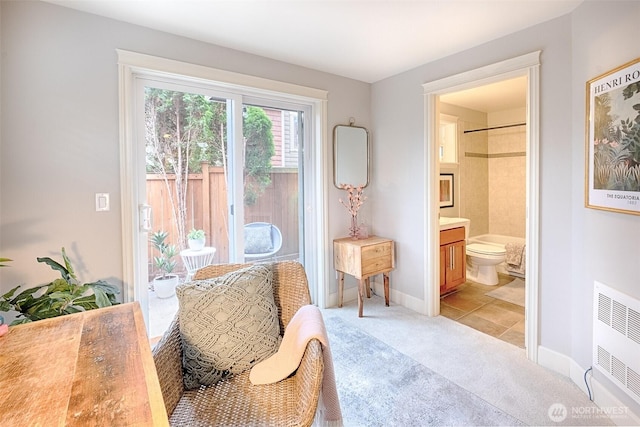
(351, 155)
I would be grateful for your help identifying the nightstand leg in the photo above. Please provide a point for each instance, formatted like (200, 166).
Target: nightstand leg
(360, 296)
(367, 284)
(340, 287)
(386, 288)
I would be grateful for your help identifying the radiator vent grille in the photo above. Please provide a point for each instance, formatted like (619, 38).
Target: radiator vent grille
(604, 359)
(604, 309)
(619, 319)
(633, 381)
(616, 338)
(618, 370)
(634, 325)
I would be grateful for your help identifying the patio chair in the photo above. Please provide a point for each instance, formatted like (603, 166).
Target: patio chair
(261, 240)
(234, 401)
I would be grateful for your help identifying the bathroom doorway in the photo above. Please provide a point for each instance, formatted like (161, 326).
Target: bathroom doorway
(488, 167)
(521, 70)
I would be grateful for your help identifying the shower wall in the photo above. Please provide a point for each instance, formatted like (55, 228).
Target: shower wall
(507, 175)
(474, 177)
(491, 171)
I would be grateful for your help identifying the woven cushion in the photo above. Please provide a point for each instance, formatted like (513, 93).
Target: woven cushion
(227, 324)
(257, 239)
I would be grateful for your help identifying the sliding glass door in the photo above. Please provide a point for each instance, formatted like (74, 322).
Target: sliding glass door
(220, 162)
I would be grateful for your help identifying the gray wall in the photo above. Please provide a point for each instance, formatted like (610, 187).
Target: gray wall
(59, 146)
(59, 140)
(577, 245)
(605, 245)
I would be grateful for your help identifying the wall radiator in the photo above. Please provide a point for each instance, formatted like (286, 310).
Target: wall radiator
(616, 338)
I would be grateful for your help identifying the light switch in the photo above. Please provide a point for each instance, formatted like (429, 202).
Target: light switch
(102, 202)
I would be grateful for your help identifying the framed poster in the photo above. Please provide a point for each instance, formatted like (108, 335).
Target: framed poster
(612, 179)
(446, 190)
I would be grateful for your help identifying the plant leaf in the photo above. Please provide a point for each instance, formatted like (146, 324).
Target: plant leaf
(56, 266)
(67, 263)
(87, 302)
(101, 298)
(105, 286)
(10, 293)
(26, 294)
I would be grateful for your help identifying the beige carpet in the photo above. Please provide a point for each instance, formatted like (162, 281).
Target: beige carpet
(512, 292)
(380, 386)
(495, 371)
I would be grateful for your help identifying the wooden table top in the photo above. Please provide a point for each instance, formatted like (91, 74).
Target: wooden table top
(87, 369)
(371, 240)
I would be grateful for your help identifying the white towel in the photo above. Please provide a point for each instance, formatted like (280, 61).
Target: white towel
(304, 326)
(515, 254)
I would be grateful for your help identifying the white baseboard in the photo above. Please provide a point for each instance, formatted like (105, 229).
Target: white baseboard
(555, 361)
(395, 297)
(399, 298)
(602, 397)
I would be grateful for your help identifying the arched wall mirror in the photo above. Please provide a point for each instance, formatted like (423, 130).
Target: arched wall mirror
(350, 155)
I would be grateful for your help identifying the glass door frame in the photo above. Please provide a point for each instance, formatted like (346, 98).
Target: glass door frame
(132, 66)
(305, 136)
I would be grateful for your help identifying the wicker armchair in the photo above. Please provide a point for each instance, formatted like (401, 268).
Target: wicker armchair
(235, 401)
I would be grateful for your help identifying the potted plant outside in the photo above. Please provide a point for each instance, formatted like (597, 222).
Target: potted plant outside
(165, 284)
(196, 239)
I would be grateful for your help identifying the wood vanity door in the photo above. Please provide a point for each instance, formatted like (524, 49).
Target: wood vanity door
(453, 268)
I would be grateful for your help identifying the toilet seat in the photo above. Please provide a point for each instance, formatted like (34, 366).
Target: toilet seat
(483, 249)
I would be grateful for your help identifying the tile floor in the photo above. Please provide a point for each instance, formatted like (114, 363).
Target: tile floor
(470, 306)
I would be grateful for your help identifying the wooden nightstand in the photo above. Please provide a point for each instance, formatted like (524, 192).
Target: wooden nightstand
(362, 259)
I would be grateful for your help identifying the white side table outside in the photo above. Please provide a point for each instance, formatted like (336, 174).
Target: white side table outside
(195, 260)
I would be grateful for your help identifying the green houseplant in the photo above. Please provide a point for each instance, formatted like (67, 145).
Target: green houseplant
(164, 284)
(65, 295)
(196, 239)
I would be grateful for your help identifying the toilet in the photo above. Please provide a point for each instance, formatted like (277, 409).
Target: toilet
(482, 260)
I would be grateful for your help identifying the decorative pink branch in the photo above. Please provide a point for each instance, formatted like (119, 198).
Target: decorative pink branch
(355, 198)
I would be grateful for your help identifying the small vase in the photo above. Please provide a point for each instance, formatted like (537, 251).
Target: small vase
(354, 229)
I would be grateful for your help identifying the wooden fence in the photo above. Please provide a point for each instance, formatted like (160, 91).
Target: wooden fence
(207, 209)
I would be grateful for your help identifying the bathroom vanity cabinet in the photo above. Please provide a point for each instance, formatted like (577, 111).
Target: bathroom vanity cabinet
(453, 269)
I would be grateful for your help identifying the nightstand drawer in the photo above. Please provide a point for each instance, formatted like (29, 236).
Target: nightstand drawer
(377, 258)
(365, 257)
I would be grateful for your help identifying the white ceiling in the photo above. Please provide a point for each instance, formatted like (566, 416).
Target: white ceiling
(500, 96)
(367, 40)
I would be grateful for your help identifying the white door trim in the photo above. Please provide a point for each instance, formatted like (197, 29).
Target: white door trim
(525, 65)
(131, 64)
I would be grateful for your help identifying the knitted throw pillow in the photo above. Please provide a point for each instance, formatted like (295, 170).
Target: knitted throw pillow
(227, 324)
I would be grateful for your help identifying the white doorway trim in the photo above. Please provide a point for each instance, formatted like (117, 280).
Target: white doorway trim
(525, 65)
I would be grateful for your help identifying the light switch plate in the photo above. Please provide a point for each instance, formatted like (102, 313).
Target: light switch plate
(102, 202)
